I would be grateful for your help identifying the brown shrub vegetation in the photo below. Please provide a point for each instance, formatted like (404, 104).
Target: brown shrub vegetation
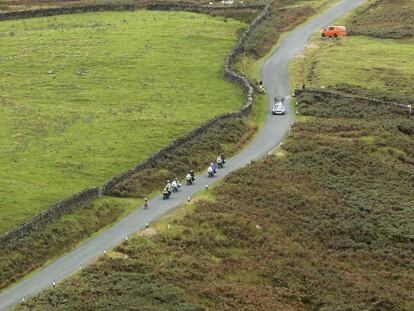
(329, 226)
(385, 19)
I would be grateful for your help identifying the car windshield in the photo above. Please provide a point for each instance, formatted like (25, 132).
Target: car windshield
(278, 107)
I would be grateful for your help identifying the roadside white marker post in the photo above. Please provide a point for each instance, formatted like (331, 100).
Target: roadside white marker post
(206, 187)
(126, 238)
(168, 227)
(147, 225)
(188, 199)
(409, 110)
(54, 283)
(126, 256)
(105, 251)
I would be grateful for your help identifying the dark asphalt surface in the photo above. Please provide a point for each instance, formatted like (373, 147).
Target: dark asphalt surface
(275, 80)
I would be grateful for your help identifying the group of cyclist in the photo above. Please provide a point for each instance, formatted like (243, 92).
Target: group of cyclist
(175, 185)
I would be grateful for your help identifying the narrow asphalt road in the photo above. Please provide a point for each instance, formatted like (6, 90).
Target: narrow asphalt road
(275, 79)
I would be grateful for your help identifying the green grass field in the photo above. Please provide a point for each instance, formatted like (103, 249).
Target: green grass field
(83, 97)
(364, 65)
(376, 60)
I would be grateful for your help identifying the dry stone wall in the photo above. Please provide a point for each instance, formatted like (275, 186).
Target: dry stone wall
(338, 95)
(41, 12)
(52, 213)
(57, 210)
(67, 10)
(199, 8)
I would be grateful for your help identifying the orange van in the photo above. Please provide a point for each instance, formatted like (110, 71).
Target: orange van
(333, 32)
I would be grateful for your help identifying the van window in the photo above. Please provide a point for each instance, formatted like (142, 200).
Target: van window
(331, 28)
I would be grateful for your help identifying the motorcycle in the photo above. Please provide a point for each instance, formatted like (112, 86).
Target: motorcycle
(220, 162)
(175, 188)
(165, 195)
(190, 179)
(175, 185)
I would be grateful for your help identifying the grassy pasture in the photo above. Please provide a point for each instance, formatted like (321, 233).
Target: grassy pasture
(85, 96)
(371, 61)
(324, 224)
(357, 64)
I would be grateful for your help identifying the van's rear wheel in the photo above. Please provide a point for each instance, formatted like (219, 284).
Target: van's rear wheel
(335, 36)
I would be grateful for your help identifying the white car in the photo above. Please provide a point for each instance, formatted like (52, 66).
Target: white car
(278, 106)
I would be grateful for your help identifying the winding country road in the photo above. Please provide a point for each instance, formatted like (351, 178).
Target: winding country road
(275, 79)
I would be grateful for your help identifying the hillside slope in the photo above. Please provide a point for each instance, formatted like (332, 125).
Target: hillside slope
(315, 227)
